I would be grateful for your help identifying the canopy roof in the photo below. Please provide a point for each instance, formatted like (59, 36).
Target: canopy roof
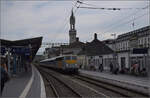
(34, 44)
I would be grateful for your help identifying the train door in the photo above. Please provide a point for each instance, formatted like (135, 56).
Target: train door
(141, 62)
(59, 62)
(123, 62)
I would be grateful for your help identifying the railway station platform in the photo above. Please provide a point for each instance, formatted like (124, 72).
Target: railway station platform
(26, 85)
(139, 84)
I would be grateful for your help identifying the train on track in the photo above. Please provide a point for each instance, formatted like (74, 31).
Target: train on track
(65, 63)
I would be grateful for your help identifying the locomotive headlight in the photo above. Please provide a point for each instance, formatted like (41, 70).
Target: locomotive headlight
(67, 65)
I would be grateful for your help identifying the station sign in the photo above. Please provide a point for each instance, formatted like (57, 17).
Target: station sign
(20, 50)
(140, 50)
(16, 50)
(3, 50)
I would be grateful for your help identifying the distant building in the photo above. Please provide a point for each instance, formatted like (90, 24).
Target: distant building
(110, 43)
(92, 54)
(134, 47)
(73, 48)
(109, 58)
(52, 52)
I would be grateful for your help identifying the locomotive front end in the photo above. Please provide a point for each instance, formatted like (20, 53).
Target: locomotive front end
(71, 63)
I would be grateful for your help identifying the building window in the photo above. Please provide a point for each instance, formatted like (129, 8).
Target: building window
(120, 46)
(147, 42)
(139, 42)
(127, 45)
(117, 46)
(142, 41)
(124, 46)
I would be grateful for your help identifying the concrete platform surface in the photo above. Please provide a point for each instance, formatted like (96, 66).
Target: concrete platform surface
(27, 85)
(140, 84)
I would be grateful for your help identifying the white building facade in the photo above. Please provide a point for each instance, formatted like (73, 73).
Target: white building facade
(134, 47)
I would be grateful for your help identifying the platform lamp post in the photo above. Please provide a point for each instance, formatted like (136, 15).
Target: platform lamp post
(30, 56)
(30, 49)
(8, 58)
(115, 50)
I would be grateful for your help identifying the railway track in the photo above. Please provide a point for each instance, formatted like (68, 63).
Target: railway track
(84, 86)
(116, 89)
(80, 89)
(59, 88)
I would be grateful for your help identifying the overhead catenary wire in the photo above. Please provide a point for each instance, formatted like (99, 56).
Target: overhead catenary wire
(78, 1)
(91, 6)
(66, 20)
(124, 18)
(78, 6)
(127, 22)
(75, 10)
(102, 8)
(138, 10)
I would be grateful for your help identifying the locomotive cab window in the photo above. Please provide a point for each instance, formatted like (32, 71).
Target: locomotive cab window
(58, 59)
(74, 57)
(68, 58)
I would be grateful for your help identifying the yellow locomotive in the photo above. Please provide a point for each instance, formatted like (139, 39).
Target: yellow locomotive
(66, 63)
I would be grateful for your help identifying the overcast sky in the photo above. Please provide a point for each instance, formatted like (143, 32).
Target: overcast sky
(50, 19)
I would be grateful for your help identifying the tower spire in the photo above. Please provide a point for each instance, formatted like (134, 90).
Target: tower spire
(72, 31)
(72, 21)
(72, 12)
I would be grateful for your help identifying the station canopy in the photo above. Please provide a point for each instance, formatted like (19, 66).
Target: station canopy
(24, 47)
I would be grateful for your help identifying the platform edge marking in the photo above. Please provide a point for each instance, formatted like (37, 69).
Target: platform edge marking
(43, 94)
(28, 86)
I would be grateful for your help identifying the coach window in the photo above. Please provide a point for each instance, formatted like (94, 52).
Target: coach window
(74, 57)
(67, 57)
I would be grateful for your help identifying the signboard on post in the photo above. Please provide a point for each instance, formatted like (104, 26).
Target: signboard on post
(140, 50)
(16, 50)
(20, 50)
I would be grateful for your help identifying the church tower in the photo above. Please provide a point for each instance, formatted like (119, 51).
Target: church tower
(72, 31)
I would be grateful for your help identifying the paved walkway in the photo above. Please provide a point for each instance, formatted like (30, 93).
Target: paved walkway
(142, 81)
(29, 84)
(133, 82)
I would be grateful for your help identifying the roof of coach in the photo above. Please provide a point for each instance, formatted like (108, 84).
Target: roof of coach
(68, 55)
(47, 60)
(54, 58)
(50, 59)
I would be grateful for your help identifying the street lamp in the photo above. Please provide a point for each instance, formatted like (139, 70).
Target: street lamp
(114, 35)
(8, 58)
(115, 54)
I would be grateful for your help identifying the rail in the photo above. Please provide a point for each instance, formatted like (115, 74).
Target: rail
(122, 91)
(56, 78)
(51, 85)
